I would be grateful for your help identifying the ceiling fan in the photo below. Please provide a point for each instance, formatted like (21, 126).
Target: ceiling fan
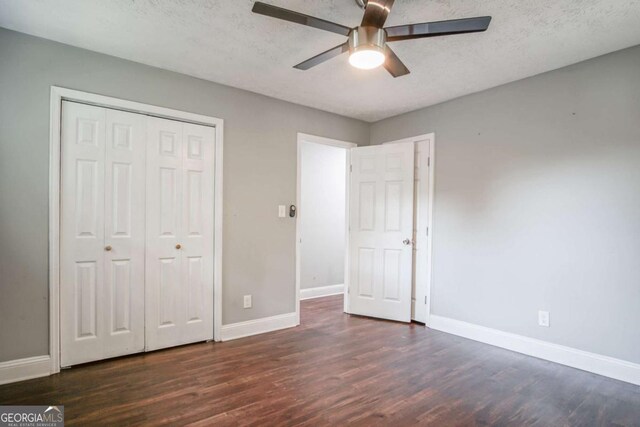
(368, 43)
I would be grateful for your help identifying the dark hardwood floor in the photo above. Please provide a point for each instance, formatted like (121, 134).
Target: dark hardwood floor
(334, 370)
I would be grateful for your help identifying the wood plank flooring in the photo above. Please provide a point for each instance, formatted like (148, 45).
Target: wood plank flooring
(334, 370)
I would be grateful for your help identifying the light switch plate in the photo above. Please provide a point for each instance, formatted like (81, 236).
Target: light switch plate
(247, 301)
(282, 211)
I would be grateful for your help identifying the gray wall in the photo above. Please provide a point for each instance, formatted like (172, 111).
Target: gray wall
(537, 193)
(537, 204)
(322, 214)
(259, 174)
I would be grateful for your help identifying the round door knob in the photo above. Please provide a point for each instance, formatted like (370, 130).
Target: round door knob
(107, 248)
(178, 246)
(406, 242)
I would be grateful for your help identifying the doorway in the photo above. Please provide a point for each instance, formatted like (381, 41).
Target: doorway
(321, 224)
(399, 287)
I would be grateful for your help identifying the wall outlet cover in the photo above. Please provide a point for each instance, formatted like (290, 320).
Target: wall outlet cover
(247, 301)
(543, 318)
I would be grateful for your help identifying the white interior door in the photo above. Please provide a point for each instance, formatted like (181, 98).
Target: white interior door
(381, 228)
(180, 164)
(102, 233)
(421, 212)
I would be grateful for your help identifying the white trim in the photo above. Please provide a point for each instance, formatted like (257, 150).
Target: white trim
(303, 137)
(24, 369)
(258, 326)
(321, 291)
(54, 229)
(218, 205)
(58, 94)
(432, 197)
(591, 362)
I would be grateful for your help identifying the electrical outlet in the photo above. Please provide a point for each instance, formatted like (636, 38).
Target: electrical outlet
(247, 301)
(282, 211)
(543, 318)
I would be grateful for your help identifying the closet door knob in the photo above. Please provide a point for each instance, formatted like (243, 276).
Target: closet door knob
(107, 248)
(178, 246)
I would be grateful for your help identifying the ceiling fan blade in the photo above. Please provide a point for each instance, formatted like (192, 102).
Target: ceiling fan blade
(376, 12)
(299, 18)
(324, 56)
(439, 28)
(394, 66)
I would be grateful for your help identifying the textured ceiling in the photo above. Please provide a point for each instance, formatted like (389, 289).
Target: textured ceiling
(222, 41)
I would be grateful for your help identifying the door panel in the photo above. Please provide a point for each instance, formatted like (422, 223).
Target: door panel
(123, 296)
(120, 296)
(381, 219)
(82, 232)
(102, 188)
(86, 302)
(180, 171)
(167, 292)
(164, 195)
(196, 232)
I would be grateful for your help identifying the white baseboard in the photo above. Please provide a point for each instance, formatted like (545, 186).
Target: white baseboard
(591, 362)
(258, 326)
(24, 369)
(322, 291)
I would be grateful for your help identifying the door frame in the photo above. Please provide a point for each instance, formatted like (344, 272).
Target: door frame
(59, 94)
(303, 137)
(432, 157)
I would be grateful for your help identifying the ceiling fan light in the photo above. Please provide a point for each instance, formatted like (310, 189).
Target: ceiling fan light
(366, 59)
(366, 47)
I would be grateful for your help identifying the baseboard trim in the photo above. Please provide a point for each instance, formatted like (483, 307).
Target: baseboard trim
(591, 362)
(24, 369)
(321, 291)
(258, 326)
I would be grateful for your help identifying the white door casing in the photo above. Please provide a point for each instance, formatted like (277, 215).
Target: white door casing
(381, 228)
(421, 262)
(102, 233)
(179, 281)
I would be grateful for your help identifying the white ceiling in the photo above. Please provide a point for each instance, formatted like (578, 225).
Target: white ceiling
(222, 41)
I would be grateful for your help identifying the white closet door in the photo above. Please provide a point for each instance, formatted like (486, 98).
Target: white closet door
(179, 233)
(101, 233)
(124, 233)
(381, 228)
(197, 231)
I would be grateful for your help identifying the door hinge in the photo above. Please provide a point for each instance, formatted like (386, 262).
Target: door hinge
(350, 168)
(425, 299)
(428, 161)
(427, 231)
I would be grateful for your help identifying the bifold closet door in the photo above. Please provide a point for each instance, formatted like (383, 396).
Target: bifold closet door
(179, 258)
(102, 233)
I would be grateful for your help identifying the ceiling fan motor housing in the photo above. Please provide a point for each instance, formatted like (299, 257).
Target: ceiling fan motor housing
(367, 38)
